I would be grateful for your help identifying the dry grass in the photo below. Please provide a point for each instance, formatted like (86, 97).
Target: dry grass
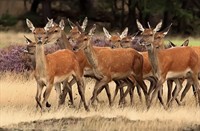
(17, 104)
(10, 38)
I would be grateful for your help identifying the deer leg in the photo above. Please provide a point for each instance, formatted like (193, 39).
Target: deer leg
(58, 92)
(195, 94)
(106, 87)
(72, 82)
(144, 88)
(186, 89)
(169, 93)
(155, 92)
(81, 90)
(131, 93)
(66, 89)
(129, 90)
(123, 95)
(176, 91)
(108, 94)
(160, 97)
(118, 86)
(139, 92)
(152, 84)
(38, 95)
(115, 93)
(47, 93)
(98, 85)
(197, 88)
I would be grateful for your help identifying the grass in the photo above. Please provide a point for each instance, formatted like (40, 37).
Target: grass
(179, 41)
(10, 38)
(17, 104)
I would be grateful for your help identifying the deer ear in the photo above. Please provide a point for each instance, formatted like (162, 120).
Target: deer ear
(166, 30)
(158, 26)
(84, 24)
(91, 32)
(124, 33)
(48, 25)
(107, 34)
(139, 25)
(186, 43)
(133, 37)
(28, 41)
(149, 25)
(49, 19)
(72, 25)
(172, 44)
(30, 25)
(62, 24)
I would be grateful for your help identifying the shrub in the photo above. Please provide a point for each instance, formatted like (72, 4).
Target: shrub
(14, 59)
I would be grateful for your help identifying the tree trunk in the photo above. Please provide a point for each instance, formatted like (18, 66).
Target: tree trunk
(46, 9)
(114, 17)
(131, 16)
(34, 5)
(122, 15)
(86, 7)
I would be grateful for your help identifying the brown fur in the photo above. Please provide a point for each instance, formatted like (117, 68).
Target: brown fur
(111, 64)
(170, 60)
(60, 65)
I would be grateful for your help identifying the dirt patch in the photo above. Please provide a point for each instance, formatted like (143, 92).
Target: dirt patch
(99, 123)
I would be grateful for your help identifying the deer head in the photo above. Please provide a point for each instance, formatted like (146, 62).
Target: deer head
(148, 33)
(40, 34)
(159, 37)
(55, 32)
(77, 29)
(115, 40)
(30, 47)
(171, 44)
(83, 41)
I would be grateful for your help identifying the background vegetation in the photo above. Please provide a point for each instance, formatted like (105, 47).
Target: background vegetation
(114, 14)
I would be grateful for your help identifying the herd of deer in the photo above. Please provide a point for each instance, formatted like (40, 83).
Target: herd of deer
(125, 66)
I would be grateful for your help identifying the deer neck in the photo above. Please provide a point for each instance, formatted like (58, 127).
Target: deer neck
(40, 60)
(33, 61)
(64, 42)
(153, 58)
(92, 59)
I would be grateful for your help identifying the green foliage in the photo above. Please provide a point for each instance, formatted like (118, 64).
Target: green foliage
(8, 20)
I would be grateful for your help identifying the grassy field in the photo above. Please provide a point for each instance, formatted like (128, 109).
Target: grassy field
(17, 110)
(17, 106)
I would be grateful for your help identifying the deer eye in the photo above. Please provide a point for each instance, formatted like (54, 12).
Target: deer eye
(118, 41)
(85, 39)
(56, 31)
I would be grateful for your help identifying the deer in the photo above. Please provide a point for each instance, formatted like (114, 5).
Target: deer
(30, 50)
(57, 33)
(54, 68)
(166, 66)
(115, 42)
(189, 83)
(109, 64)
(124, 42)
